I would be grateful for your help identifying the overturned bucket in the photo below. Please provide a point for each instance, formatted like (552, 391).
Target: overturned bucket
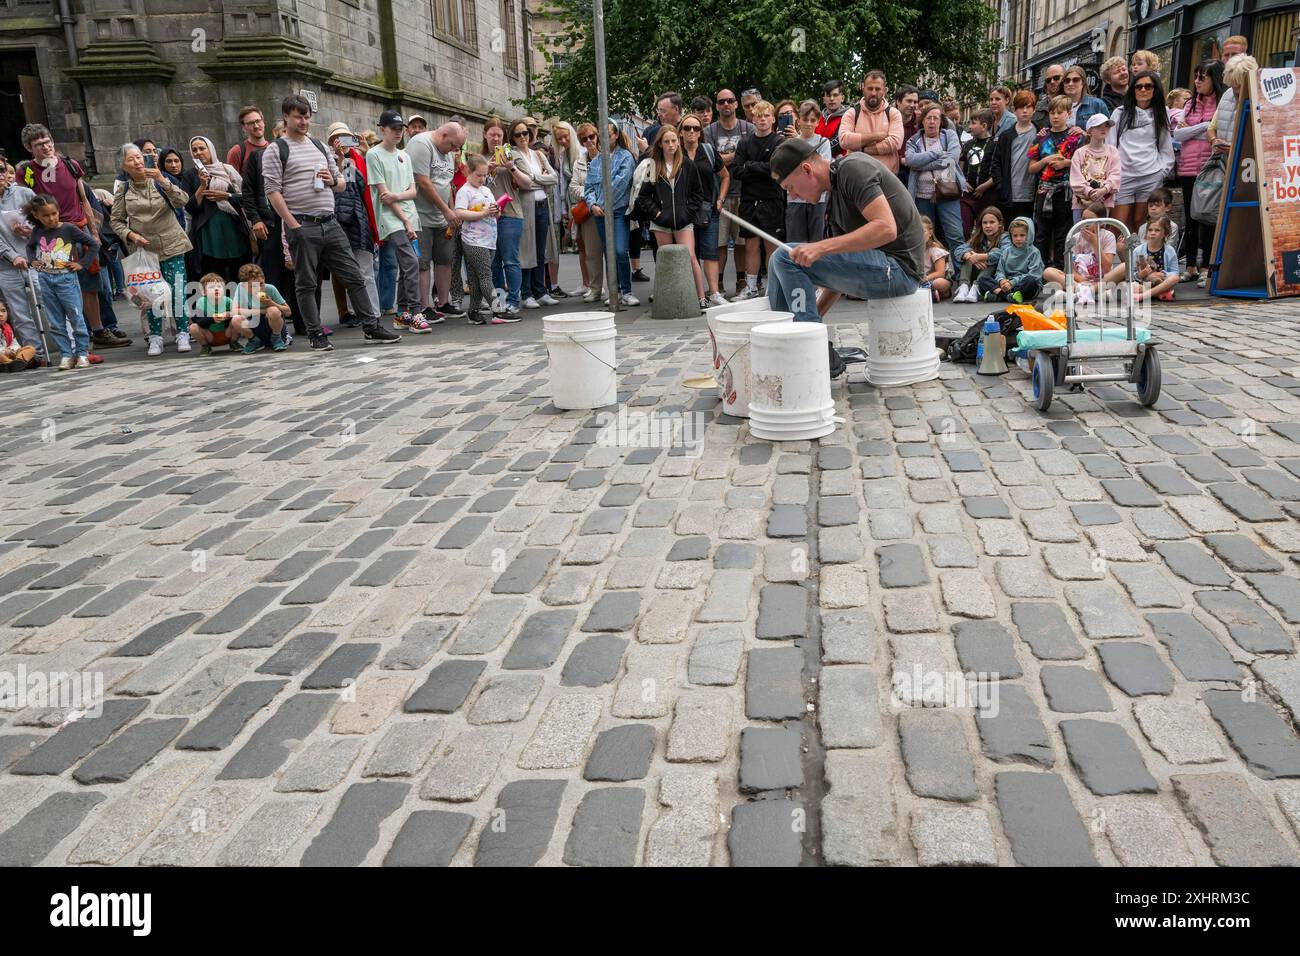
(900, 340)
(581, 350)
(731, 354)
(790, 382)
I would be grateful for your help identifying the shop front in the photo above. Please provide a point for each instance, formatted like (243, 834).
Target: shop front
(1184, 33)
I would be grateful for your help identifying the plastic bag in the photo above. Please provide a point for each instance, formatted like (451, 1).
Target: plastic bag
(145, 285)
(1207, 191)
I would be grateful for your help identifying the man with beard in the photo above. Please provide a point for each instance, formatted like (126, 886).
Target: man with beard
(725, 135)
(873, 127)
(1053, 85)
(832, 113)
(1114, 77)
(906, 99)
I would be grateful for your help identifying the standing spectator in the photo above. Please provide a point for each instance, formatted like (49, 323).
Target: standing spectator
(478, 211)
(716, 179)
(1192, 133)
(1114, 78)
(590, 254)
(1049, 161)
(353, 210)
(1095, 169)
(679, 193)
(266, 227)
(1223, 128)
(1053, 85)
(906, 100)
(613, 220)
(1082, 106)
(833, 110)
(952, 116)
(536, 168)
(218, 232)
(935, 178)
(873, 126)
(748, 100)
(977, 165)
(143, 217)
(299, 172)
(668, 112)
(416, 124)
(254, 127)
(806, 221)
(14, 230)
(505, 180)
(1140, 130)
(392, 192)
(725, 135)
(433, 162)
(566, 153)
(763, 201)
(58, 251)
(1000, 107)
(1235, 45)
(1015, 183)
(703, 110)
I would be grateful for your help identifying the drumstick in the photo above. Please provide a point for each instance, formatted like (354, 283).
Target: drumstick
(758, 232)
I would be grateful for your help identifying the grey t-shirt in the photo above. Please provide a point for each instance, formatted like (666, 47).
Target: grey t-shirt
(1022, 182)
(440, 168)
(856, 180)
(726, 141)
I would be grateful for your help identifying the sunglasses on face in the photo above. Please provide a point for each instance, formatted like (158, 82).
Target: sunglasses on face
(589, 138)
(690, 129)
(730, 99)
(1145, 86)
(520, 132)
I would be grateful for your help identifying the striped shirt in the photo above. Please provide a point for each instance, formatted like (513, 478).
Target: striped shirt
(305, 160)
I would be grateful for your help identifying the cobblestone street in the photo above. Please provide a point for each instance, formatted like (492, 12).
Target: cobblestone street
(391, 607)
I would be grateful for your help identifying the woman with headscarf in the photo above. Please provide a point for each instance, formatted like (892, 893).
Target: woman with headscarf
(218, 231)
(172, 165)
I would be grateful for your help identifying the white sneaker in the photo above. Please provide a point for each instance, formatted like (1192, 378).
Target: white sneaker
(155, 345)
(590, 296)
(66, 363)
(717, 298)
(1084, 295)
(531, 303)
(746, 293)
(629, 300)
(582, 291)
(182, 341)
(548, 299)
(704, 303)
(83, 361)
(963, 290)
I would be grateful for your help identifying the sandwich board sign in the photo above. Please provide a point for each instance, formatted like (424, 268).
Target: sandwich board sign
(1259, 212)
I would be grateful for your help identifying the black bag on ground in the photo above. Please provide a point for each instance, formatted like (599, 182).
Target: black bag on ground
(964, 349)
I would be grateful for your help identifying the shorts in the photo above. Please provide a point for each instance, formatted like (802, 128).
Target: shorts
(220, 338)
(766, 214)
(435, 248)
(727, 229)
(1138, 189)
(706, 238)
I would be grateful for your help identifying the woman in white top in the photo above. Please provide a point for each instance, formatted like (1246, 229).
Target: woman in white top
(806, 221)
(534, 164)
(1140, 131)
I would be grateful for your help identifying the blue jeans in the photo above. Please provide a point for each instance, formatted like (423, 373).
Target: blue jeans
(505, 263)
(946, 217)
(541, 227)
(386, 280)
(61, 300)
(106, 315)
(118, 276)
(868, 275)
(706, 238)
(623, 261)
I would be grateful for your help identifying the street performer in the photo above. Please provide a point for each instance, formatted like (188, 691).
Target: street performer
(876, 244)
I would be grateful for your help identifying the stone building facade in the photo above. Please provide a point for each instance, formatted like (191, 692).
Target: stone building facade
(1035, 33)
(170, 69)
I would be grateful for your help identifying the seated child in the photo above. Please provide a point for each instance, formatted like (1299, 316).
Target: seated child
(212, 315)
(14, 357)
(978, 255)
(936, 263)
(1018, 276)
(256, 299)
(1155, 263)
(1090, 258)
(58, 251)
(1159, 203)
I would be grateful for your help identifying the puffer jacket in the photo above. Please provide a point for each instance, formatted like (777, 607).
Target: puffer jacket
(1195, 149)
(350, 210)
(141, 208)
(677, 200)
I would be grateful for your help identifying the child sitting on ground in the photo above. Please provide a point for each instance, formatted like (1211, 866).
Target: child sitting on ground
(1091, 258)
(1019, 273)
(58, 251)
(1155, 263)
(14, 357)
(212, 315)
(979, 254)
(256, 299)
(936, 263)
(1160, 203)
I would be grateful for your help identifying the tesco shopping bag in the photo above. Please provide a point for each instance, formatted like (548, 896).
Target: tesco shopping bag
(145, 285)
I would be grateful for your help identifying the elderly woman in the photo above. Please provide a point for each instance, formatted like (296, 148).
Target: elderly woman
(1222, 131)
(935, 178)
(218, 231)
(144, 217)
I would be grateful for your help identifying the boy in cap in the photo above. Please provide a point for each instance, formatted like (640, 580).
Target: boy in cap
(392, 191)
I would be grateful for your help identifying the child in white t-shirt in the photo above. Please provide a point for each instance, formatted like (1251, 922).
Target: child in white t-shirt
(936, 263)
(478, 211)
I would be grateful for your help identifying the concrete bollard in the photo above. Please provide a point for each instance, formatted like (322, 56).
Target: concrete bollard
(674, 286)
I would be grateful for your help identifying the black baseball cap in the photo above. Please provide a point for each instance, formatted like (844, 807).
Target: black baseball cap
(391, 118)
(787, 157)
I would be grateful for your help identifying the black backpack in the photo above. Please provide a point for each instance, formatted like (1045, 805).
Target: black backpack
(282, 145)
(964, 349)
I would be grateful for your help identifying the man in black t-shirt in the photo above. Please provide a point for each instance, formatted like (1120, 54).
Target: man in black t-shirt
(876, 244)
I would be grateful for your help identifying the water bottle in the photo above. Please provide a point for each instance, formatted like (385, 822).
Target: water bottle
(415, 245)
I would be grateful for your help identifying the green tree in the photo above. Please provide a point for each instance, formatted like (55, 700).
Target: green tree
(696, 47)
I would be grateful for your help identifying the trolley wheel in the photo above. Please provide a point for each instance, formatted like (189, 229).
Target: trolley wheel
(1043, 380)
(1148, 378)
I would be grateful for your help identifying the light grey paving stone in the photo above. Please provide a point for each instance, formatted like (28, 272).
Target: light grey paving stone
(774, 684)
(166, 668)
(404, 749)
(484, 630)
(729, 596)
(560, 739)
(1102, 611)
(848, 709)
(1147, 585)
(765, 834)
(1015, 732)
(429, 838)
(770, 759)
(297, 653)
(1235, 825)
(936, 759)
(128, 751)
(1041, 824)
(70, 744)
(986, 647)
(30, 840)
(1178, 728)
(1144, 833)
(1106, 758)
(353, 830)
(1193, 649)
(1247, 621)
(1073, 690)
(715, 655)
(270, 745)
(505, 699)
(463, 767)
(446, 688)
(621, 753)
(701, 727)
(1256, 731)
(320, 766)
(859, 815)
(848, 636)
(1281, 591)
(1136, 669)
(910, 611)
(953, 836)
(526, 571)
(530, 809)
(1280, 675)
(1159, 525)
(782, 611)
(133, 814)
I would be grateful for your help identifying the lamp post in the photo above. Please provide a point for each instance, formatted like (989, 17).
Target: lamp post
(606, 150)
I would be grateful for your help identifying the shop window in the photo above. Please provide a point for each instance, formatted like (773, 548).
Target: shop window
(1206, 45)
(1273, 40)
(1208, 14)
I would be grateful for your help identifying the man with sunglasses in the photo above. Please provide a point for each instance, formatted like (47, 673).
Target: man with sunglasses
(876, 245)
(1053, 85)
(725, 135)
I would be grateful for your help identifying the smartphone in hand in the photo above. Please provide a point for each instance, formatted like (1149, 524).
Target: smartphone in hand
(151, 161)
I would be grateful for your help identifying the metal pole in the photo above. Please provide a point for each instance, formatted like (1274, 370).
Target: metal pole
(607, 151)
(70, 38)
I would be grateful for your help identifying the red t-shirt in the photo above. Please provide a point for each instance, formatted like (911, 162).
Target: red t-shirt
(248, 147)
(59, 182)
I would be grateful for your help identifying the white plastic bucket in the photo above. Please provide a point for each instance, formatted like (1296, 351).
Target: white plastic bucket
(731, 364)
(756, 304)
(581, 349)
(790, 382)
(900, 340)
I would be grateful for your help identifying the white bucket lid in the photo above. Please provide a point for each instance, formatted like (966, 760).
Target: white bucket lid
(742, 321)
(790, 330)
(578, 321)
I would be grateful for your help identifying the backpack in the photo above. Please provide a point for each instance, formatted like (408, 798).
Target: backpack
(964, 349)
(282, 146)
